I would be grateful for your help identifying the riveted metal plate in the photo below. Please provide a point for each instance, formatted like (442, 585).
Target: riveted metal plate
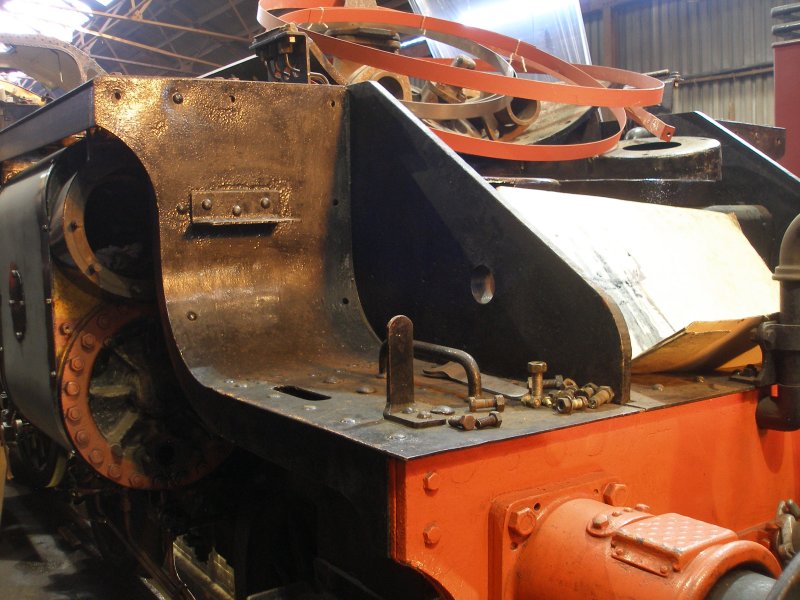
(237, 207)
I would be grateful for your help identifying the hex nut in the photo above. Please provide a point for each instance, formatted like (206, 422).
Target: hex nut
(522, 522)
(615, 494)
(432, 534)
(537, 366)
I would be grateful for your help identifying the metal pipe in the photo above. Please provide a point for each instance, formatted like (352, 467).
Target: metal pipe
(435, 352)
(783, 413)
(742, 584)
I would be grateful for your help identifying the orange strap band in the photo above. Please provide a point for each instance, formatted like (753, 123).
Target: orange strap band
(582, 87)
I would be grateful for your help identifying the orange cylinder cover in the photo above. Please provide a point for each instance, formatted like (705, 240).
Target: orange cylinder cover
(508, 519)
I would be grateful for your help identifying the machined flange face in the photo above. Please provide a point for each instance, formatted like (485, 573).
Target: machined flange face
(101, 225)
(113, 420)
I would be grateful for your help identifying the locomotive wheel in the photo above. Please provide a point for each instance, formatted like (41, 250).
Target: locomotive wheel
(35, 460)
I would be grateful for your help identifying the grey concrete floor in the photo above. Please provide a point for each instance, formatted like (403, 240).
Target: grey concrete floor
(36, 562)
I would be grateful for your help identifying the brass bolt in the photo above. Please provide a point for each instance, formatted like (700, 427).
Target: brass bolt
(498, 402)
(536, 371)
(587, 391)
(465, 422)
(522, 522)
(567, 402)
(604, 395)
(493, 419)
(555, 383)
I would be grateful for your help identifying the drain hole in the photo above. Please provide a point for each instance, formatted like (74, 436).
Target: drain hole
(299, 392)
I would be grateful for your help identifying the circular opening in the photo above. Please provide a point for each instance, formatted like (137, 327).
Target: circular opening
(117, 95)
(117, 223)
(482, 284)
(345, 301)
(336, 202)
(233, 98)
(392, 85)
(333, 103)
(652, 146)
(524, 109)
(537, 506)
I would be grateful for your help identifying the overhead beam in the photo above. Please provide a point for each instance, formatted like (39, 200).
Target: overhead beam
(119, 40)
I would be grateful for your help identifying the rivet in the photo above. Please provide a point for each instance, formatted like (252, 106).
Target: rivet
(207, 204)
(265, 202)
(431, 481)
(77, 364)
(136, 480)
(114, 471)
(237, 210)
(619, 551)
(177, 98)
(116, 450)
(191, 315)
(96, 456)
(82, 437)
(103, 322)
(642, 507)
(600, 522)
(432, 534)
(663, 569)
(658, 387)
(93, 269)
(72, 388)
(74, 414)
(365, 389)
(88, 341)
(616, 513)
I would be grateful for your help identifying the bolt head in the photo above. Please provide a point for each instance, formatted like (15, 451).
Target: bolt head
(537, 366)
(615, 494)
(431, 481)
(432, 534)
(641, 507)
(522, 522)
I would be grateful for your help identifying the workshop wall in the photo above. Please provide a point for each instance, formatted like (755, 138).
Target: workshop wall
(721, 48)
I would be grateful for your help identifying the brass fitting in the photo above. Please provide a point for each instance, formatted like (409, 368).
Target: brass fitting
(498, 402)
(587, 391)
(536, 371)
(567, 402)
(604, 395)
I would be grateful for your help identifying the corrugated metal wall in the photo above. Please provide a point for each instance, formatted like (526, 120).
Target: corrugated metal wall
(699, 38)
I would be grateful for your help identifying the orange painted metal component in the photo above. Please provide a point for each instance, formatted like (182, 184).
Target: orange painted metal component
(672, 555)
(705, 461)
(85, 345)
